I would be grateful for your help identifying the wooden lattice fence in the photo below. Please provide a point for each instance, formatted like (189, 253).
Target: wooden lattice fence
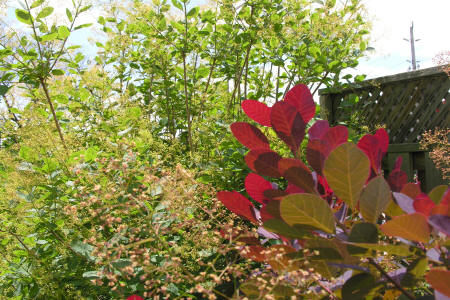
(406, 104)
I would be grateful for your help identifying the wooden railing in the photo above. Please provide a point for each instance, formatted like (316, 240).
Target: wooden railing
(406, 104)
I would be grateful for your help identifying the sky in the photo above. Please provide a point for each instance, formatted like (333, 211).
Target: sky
(391, 21)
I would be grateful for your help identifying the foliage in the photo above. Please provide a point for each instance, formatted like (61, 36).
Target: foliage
(437, 142)
(337, 221)
(89, 146)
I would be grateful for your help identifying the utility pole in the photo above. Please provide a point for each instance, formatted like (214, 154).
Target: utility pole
(413, 49)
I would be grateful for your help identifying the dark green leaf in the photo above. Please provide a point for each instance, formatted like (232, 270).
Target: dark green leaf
(193, 12)
(57, 72)
(358, 287)
(23, 16)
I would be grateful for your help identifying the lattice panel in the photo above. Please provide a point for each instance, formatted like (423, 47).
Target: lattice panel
(407, 107)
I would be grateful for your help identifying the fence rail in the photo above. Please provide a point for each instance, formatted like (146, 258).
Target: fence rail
(406, 104)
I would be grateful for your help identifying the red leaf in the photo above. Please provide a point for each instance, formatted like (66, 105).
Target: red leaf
(135, 297)
(297, 173)
(397, 178)
(238, 204)
(315, 154)
(300, 97)
(255, 186)
(288, 124)
(398, 163)
(293, 189)
(257, 111)
(423, 204)
(264, 162)
(334, 137)
(249, 136)
(318, 129)
(319, 149)
(383, 138)
(412, 190)
(375, 147)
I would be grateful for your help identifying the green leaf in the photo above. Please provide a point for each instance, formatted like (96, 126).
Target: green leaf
(177, 4)
(416, 270)
(250, 288)
(87, 7)
(437, 193)
(63, 32)
(27, 154)
(83, 26)
(400, 250)
(4, 89)
(45, 12)
(178, 26)
(63, 99)
(362, 233)
(362, 46)
(411, 227)
(69, 15)
(23, 16)
(193, 12)
(202, 72)
(307, 209)
(374, 199)
(346, 170)
(358, 286)
(36, 3)
(315, 51)
(57, 72)
(49, 37)
(280, 227)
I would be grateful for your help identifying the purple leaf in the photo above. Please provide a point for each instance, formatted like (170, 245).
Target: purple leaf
(405, 202)
(441, 223)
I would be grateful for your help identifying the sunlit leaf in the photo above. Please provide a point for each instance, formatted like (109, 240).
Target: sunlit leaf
(23, 16)
(374, 199)
(45, 12)
(346, 170)
(257, 111)
(439, 280)
(238, 204)
(249, 136)
(307, 209)
(437, 193)
(411, 227)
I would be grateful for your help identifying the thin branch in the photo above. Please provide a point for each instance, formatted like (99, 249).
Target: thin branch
(389, 278)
